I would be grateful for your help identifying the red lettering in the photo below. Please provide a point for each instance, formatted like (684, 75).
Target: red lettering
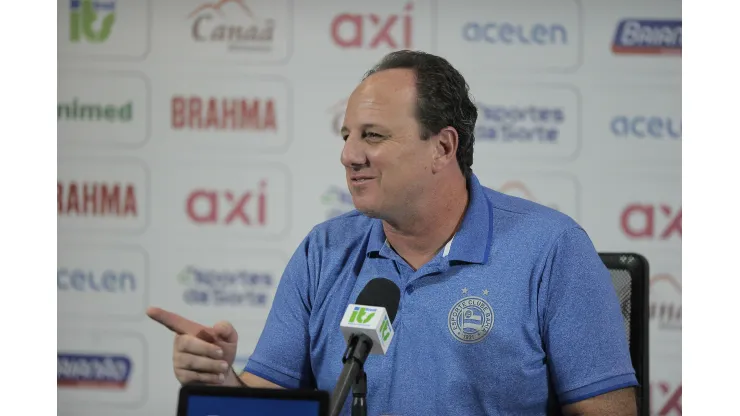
(212, 114)
(194, 116)
(249, 115)
(262, 204)
(353, 19)
(672, 405)
(72, 201)
(229, 115)
(383, 32)
(646, 212)
(178, 112)
(211, 198)
(238, 209)
(269, 122)
(129, 205)
(646, 228)
(674, 226)
(96, 199)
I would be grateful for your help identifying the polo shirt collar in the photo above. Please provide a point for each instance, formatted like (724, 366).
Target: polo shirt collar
(471, 243)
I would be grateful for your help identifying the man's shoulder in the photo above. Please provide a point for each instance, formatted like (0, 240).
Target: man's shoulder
(344, 229)
(525, 214)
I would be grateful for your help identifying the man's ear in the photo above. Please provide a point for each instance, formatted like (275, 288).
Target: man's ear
(445, 149)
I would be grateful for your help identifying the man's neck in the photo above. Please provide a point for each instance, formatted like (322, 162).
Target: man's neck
(419, 238)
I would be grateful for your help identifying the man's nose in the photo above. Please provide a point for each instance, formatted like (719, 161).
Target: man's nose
(352, 152)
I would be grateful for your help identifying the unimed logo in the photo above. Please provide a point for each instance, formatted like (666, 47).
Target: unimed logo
(75, 110)
(196, 113)
(373, 31)
(227, 207)
(96, 199)
(651, 221)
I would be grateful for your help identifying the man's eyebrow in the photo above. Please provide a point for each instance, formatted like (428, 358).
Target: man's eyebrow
(364, 127)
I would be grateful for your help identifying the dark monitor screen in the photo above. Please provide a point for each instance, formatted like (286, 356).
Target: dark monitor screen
(210, 401)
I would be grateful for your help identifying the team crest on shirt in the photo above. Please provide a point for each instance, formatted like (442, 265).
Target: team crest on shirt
(470, 319)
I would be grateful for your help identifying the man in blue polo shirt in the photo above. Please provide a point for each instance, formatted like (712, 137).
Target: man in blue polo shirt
(506, 308)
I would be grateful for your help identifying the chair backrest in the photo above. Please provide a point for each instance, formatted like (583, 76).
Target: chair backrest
(631, 277)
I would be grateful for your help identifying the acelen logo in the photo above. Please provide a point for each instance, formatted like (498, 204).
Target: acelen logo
(96, 199)
(227, 207)
(233, 24)
(646, 127)
(196, 113)
(651, 222)
(79, 279)
(373, 31)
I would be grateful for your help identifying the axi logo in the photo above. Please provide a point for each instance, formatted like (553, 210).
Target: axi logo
(97, 199)
(234, 24)
(373, 31)
(519, 124)
(665, 399)
(638, 221)
(212, 113)
(208, 206)
(338, 201)
(362, 315)
(665, 301)
(519, 189)
(647, 37)
(109, 371)
(91, 19)
(225, 287)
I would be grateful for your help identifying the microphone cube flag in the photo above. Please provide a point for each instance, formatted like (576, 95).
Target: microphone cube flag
(372, 321)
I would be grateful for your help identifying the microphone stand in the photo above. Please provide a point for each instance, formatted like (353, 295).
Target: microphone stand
(358, 349)
(359, 391)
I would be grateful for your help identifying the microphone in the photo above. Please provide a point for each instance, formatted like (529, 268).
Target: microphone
(367, 328)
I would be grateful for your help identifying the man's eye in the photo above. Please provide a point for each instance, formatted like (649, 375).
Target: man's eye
(372, 134)
(345, 136)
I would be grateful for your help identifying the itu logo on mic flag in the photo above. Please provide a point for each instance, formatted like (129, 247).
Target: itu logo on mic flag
(470, 319)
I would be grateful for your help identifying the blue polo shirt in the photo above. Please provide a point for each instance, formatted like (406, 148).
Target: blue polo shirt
(517, 310)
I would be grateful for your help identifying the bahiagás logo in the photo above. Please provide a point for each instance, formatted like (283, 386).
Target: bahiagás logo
(212, 287)
(107, 371)
(648, 37)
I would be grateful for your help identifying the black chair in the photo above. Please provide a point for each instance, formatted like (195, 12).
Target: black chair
(631, 277)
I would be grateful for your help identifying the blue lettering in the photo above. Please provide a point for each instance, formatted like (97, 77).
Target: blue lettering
(515, 34)
(109, 281)
(646, 127)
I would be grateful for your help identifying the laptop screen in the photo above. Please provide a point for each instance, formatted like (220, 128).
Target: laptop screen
(250, 406)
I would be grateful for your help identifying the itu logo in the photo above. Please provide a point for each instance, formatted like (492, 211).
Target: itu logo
(91, 20)
(362, 315)
(470, 319)
(385, 329)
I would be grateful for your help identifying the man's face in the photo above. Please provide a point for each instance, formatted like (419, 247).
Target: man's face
(387, 164)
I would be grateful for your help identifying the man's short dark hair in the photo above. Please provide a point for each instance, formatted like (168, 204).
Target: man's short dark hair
(443, 99)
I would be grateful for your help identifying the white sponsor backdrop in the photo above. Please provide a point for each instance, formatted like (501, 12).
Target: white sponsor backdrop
(198, 144)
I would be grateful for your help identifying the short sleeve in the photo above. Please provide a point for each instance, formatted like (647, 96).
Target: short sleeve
(583, 327)
(282, 354)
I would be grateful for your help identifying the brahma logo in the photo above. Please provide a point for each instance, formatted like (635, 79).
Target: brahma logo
(107, 371)
(665, 302)
(232, 114)
(647, 37)
(211, 287)
(209, 206)
(519, 189)
(96, 199)
(373, 31)
(233, 24)
(519, 124)
(649, 221)
(338, 201)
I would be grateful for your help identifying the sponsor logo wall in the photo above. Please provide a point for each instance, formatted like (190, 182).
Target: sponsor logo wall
(199, 142)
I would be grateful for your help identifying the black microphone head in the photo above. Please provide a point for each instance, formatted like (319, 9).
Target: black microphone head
(383, 293)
